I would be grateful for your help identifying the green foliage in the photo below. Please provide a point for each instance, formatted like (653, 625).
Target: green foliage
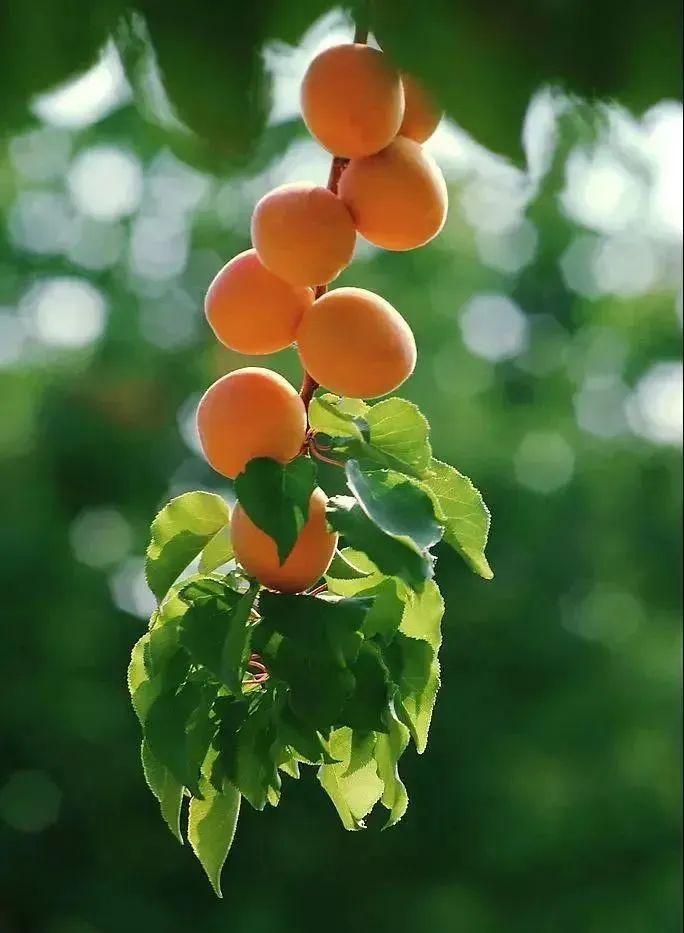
(212, 821)
(234, 685)
(178, 534)
(276, 497)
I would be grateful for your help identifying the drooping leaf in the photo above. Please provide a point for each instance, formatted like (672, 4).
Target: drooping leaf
(306, 742)
(178, 534)
(461, 508)
(393, 556)
(398, 507)
(422, 615)
(276, 497)
(389, 748)
(248, 747)
(212, 822)
(164, 786)
(319, 640)
(365, 709)
(414, 668)
(353, 794)
(143, 690)
(179, 730)
(215, 629)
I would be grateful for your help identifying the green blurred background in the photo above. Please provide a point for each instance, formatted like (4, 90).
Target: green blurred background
(548, 320)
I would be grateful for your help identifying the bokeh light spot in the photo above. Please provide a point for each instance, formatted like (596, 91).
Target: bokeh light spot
(494, 327)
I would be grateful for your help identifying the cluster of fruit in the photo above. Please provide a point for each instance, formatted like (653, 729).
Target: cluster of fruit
(350, 341)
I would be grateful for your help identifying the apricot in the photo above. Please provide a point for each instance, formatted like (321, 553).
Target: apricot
(355, 343)
(305, 564)
(251, 310)
(250, 413)
(421, 117)
(352, 100)
(303, 233)
(398, 197)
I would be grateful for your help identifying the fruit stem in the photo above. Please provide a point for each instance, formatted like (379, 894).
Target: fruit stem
(337, 166)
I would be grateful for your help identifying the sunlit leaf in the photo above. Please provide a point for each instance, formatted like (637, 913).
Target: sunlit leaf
(212, 822)
(389, 748)
(353, 794)
(461, 508)
(398, 507)
(398, 557)
(178, 534)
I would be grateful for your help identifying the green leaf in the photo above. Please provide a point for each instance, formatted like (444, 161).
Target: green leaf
(178, 534)
(212, 822)
(400, 432)
(366, 707)
(423, 614)
(217, 551)
(355, 793)
(319, 639)
(215, 629)
(388, 750)
(276, 497)
(144, 689)
(179, 730)
(393, 556)
(249, 758)
(461, 508)
(414, 669)
(306, 742)
(393, 433)
(164, 786)
(336, 417)
(398, 507)
(351, 572)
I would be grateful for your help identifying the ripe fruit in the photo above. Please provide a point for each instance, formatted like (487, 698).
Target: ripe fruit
(303, 233)
(250, 413)
(421, 117)
(352, 100)
(398, 197)
(305, 564)
(251, 310)
(354, 343)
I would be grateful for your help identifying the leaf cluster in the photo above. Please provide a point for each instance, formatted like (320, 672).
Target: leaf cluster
(236, 686)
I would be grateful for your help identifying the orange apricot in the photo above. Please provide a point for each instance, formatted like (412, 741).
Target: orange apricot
(352, 100)
(303, 233)
(355, 343)
(421, 117)
(251, 310)
(398, 197)
(250, 413)
(305, 564)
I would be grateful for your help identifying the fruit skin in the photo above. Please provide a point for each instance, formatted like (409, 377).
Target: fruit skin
(352, 100)
(398, 197)
(249, 413)
(251, 310)
(421, 117)
(355, 343)
(303, 233)
(305, 564)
